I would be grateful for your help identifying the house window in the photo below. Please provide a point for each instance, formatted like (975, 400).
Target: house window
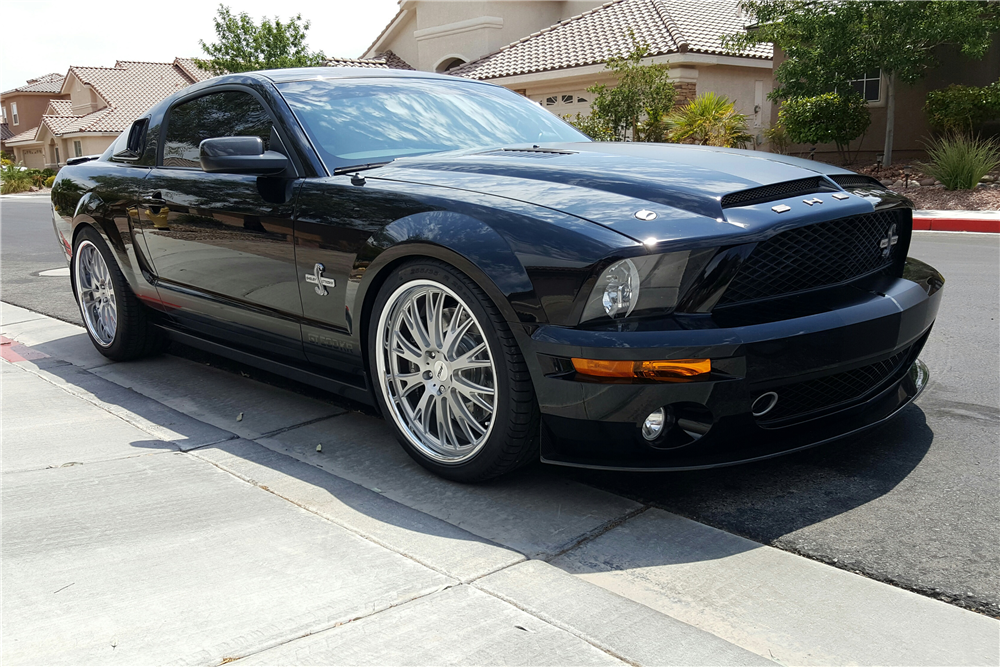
(77, 149)
(13, 112)
(56, 148)
(869, 86)
(560, 100)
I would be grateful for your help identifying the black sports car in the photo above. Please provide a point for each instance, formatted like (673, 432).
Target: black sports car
(500, 287)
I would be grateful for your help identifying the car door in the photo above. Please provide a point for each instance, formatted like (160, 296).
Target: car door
(221, 245)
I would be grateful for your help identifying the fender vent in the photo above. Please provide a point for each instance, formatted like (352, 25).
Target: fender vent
(803, 186)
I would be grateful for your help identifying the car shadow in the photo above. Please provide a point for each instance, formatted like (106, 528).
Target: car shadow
(543, 511)
(770, 499)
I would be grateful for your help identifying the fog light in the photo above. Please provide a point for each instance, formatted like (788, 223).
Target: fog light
(653, 426)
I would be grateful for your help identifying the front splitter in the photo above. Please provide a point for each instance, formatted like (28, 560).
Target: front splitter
(778, 442)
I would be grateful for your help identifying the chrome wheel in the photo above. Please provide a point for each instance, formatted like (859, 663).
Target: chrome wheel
(96, 293)
(436, 372)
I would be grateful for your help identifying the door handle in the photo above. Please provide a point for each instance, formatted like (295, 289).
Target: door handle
(154, 203)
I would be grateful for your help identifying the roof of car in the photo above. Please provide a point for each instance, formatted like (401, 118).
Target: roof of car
(313, 73)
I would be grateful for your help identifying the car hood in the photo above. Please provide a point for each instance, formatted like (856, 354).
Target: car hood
(607, 183)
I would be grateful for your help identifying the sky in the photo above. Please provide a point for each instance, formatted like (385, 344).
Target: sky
(56, 34)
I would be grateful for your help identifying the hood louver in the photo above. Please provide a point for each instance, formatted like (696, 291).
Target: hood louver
(766, 193)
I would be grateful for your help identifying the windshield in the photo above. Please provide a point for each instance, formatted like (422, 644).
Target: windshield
(359, 121)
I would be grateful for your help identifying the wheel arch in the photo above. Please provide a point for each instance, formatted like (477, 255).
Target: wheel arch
(128, 258)
(458, 240)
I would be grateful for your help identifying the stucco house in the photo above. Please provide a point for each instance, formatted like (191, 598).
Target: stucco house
(552, 51)
(911, 129)
(23, 107)
(93, 105)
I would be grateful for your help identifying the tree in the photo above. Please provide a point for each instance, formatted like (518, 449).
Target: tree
(637, 105)
(831, 117)
(710, 120)
(243, 46)
(827, 44)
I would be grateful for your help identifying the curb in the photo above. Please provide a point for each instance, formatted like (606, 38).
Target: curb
(957, 221)
(956, 225)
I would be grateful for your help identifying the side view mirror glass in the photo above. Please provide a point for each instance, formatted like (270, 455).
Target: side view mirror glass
(240, 155)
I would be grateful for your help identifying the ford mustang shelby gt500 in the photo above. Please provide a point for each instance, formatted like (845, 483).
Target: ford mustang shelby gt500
(500, 287)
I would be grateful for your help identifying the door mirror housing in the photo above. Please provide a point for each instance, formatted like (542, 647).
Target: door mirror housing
(240, 155)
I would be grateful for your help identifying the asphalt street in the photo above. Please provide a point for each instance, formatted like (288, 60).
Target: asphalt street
(913, 503)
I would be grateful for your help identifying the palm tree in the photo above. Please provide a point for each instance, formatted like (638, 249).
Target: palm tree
(710, 120)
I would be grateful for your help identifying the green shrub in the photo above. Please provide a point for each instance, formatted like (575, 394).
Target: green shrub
(37, 177)
(829, 118)
(50, 180)
(962, 108)
(778, 139)
(710, 120)
(13, 179)
(594, 126)
(642, 97)
(959, 161)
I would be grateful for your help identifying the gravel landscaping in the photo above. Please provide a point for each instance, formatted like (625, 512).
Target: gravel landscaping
(929, 195)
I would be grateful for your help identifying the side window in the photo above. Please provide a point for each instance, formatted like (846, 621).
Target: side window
(228, 114)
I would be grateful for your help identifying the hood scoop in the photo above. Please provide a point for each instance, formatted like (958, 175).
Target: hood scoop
(765, 193)
(536, 152)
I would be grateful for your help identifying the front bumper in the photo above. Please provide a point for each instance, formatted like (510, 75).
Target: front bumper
(857, 343)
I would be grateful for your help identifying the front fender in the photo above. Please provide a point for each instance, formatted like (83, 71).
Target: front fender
(466, 243)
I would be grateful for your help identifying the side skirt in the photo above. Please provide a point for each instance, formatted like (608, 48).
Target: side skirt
(361, 394)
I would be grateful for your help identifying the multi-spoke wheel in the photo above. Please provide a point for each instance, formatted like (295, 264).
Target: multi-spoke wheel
(116, 321)
(96, 294)
(450, 377)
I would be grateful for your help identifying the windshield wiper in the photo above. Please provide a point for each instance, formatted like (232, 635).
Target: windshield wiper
(359, 167)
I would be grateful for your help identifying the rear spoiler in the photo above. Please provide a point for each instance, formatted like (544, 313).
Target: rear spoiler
(81, 159)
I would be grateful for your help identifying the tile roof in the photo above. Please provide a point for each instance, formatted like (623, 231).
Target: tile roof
(384, 60)
(668, 26)
(189, 68)
(394, 61)
(5, 132)
(48, 83)
(129, 89)
(61, 107)
(27, 135)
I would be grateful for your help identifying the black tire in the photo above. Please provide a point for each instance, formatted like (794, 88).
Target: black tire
(512, 441)
(135, 336)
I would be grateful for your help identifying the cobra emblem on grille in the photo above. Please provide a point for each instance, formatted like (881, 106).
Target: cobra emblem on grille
(891, 238)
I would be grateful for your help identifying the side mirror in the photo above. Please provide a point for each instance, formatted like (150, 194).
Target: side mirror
(240, 155)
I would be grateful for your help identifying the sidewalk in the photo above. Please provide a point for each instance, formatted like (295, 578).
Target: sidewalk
(143, 522)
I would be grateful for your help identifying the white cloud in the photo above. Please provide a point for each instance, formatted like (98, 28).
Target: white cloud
(45, 36)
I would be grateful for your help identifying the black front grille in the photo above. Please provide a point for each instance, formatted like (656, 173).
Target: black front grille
(804, 398)
(848, 181)
(818, 255)
(775, 191)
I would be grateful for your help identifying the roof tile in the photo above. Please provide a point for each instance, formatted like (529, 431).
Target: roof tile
(384, 60)
(668, 26)
(48, 83)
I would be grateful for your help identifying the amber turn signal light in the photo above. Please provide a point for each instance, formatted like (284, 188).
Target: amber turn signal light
(669, 369)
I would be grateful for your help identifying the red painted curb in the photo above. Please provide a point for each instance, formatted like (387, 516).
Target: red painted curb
(957, 224)
(14, 352)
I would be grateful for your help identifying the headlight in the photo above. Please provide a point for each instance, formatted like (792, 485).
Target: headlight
(648, 284)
